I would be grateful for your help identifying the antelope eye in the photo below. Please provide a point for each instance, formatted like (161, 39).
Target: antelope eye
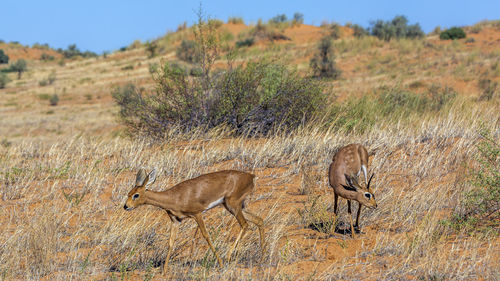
(368, 195)
(135, 196)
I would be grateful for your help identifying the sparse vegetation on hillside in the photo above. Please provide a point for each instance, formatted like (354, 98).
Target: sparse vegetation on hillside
(151, 49)
(49, 80)
(3, 57)
(323, 62)
(20, 66)
(270, 32)
(452, 34)
(73, 51)
(358, 30)
(390, 105)
(298, 18)
(396, 28)
(54, 100)
(188, 51)
(236, 20)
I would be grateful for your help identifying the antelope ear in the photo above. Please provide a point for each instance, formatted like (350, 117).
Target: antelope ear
(151, 177)
(369, 181)
(141, 177)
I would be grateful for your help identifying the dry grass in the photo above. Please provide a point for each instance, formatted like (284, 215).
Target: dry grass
(63, 219)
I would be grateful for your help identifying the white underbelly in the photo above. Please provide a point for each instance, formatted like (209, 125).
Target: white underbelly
(214, 204)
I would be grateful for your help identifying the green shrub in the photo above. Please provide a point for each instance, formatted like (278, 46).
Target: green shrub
(254, 99)
(396, 28)
(247, 42)
(4, 79)
(128, 67)
(323, 62)
(46, 57)
(479, 208)
(358, 30)
(3, 57)
(43, 82)
(261, 96)
(414, 31)
(470, 40)
(452, 34)
(188, 51)
(54, 100)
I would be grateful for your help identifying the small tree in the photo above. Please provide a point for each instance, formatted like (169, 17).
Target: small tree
(54, 100)
(298, 18)
(414, 31)
(323, 63)
(4, 79)
(279, 19)
(19, 66)
(3, 57)
(151, 49)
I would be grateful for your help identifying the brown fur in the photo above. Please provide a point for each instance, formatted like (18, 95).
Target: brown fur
(347, 162)
(190, 198)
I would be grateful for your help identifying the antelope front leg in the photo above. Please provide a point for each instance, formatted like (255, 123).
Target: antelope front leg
(357, 217)
(336, 198)
(204, 232)
(350, 217)
(174, 226)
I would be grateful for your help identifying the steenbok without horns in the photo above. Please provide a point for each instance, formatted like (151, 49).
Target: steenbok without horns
(347, 164)
(190, 198)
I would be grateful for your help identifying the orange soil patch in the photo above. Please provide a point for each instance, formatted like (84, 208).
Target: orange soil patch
(16, 52)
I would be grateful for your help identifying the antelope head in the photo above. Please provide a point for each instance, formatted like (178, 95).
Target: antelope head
(136, 195)
(363, 194)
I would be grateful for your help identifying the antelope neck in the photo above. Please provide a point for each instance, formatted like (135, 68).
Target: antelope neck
(158, 199)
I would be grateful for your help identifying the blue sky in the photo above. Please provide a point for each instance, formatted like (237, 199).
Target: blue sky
(110, 24)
